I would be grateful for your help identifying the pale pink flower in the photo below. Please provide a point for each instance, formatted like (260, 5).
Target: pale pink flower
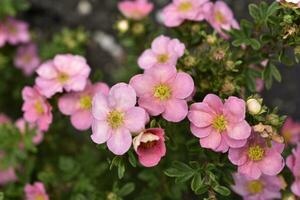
(178, 11)
(115, 117)
(163, 90)
(36, 191)
(164, 50)
(220, 126)
(291, 131)
(264, 188)
(36, 108)
(7, 176)
(69, 72)
(260, 84)
(293, 163)
(39, 135)
(27, 58)
(17, 31)
(136, 9)
(4, 119)
(3, 35)
(257, 158)
(79, 104)
(150, 146)
(220, 17)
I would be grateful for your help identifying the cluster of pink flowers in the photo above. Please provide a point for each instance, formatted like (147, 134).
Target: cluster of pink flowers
(217, 14)
(293, 163)
(35, 191)
(13, 31)
(136, 9)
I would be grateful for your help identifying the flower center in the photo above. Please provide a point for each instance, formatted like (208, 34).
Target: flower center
(219, 123)
(220, 17)
(115, 119)
(162, 92)
(256, 153)
(255, 186)
(27, 58)
(39, 197)
(162, 58)
(62, 77)
(85, 102)
(39, 107)
(185, 6)
(287, 136)
(148, 145)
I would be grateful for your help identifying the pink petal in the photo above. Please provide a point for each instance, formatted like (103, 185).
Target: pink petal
(47, 70)
(271, 164)
(175, 110)
(296, 188)
(67, 104)
(160, 44)
(239, 131)
(142, 84)
(183, 85)
(147, 59)
(82, 119)
(235, 109)
(135, 119)
(149, 160)
(48, 87)
(100, 106)
(214, 102)
(122, 96)
(199, 118)
(233, 143)
(120, 141)
(201, 132)
(250, 169)
(162, 73)
(153, 106)
(238, 156)
(175, 46)
(212, 141)
(101, 131)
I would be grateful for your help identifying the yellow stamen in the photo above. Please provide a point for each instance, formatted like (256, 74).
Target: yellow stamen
(39, 107)
(255, 186)
(256, 153)
(63, 78)
(220, 17)
(162, 92)
(85, 102)
(115, 119)
(219, 123)
(185, 6)
(162, 58)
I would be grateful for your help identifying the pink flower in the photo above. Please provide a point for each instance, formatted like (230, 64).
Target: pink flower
(256, 158)
(164, 50)
(175, 13)
(220, 17)
(3, 35)
(115, 117)
(220, 126)
(150, 146)
(293, 163)
(7, 176)
(36, 108)
(137, 9)
(162, 90)
(27, 59)
(291, 131)
(17, 31)
(260, 84)
(69, 72)
(79, 105)
(36, 191)
(4, 119)
(264, 188)
(39, 136)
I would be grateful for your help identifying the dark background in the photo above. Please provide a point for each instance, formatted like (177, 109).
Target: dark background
(49, 16)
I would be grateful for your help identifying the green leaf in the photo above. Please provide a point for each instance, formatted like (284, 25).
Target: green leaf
(224, 191)
(275, 73)
(254, 44)
(196, 182)
(132, 159)
(126, 189)
(121, 170)
(254, 11)
(272, 8)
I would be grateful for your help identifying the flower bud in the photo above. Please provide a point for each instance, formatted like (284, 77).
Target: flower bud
(273, 119)
(254, 106)
(138, 28)
(123, 26)
(211, 39)
(189, 61)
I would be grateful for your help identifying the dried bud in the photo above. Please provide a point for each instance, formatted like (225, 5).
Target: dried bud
(189, 61)
(267, 131)
(254, 106)
(211, 39)
(289, 30)
(123, 26)
(228, 87)
(219, 54)
(195, 28)
(138, 28)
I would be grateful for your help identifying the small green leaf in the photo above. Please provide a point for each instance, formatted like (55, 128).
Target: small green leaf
(275, 73)
(132, 159)
(196, 182)
(224, 191)
(126, 189)
(121, 170)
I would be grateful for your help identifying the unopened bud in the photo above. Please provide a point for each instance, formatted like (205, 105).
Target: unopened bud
(254, 106)
(138, 28)
(123, 26)
(273, 119)
(211, 39)
(189, 61)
